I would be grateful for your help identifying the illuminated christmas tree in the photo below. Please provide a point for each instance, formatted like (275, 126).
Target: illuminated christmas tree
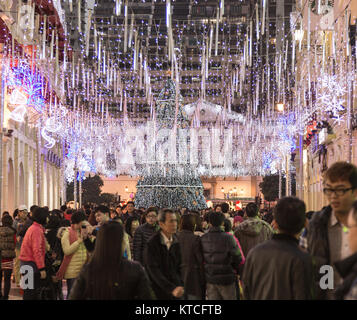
(170, 185)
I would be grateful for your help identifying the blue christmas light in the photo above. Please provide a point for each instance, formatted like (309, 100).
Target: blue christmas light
(30, 82)
(268, 158)
(287, 122)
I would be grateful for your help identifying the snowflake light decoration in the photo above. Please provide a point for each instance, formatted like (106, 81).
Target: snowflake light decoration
(27, 92)
(330, 95)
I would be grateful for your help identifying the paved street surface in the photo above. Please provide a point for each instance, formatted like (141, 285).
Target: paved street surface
(16, 292)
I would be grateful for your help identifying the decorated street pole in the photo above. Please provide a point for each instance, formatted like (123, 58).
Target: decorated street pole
(287, 176)
(301, 167)
(80, 190)
(1, 132)
(75, 187)
(349, 108)
(280, 183)
(63, 179)
(38, 166)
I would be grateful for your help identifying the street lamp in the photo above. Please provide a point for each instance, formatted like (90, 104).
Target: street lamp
(299, 35)
(280, 107)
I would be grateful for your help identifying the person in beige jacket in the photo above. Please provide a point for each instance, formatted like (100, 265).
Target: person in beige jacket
(75, 252)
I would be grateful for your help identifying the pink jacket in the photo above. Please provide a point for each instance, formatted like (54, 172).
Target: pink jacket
(240, 248)
(33, 246)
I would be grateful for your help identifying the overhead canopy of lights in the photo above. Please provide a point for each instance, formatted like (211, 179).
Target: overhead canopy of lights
(82, 96)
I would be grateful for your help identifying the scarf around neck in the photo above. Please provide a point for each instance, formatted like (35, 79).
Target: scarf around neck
(73, 237)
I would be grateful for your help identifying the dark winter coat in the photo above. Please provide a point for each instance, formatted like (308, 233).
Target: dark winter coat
(318, 243)
(141, 237)
(51, 237)
(21, 227)
(54, 243)
(163, 266)
(134, 284)
(317, 236)
(252, 232)
(278, 269)
(7, 243)
(192, 269)
(22, 230)
(347, 268)
(221, 255)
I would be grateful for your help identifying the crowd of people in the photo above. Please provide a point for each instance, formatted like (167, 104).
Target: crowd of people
(214, 254)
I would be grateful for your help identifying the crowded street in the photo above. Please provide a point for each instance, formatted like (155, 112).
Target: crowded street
(179, 151)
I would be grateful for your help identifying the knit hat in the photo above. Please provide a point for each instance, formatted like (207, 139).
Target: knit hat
(238, 219)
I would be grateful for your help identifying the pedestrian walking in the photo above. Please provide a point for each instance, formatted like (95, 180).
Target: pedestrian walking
(75, 252)
(222, 259)
(163, 259)
(192, 270)
(7, 254)
(326, 237)
(108, 276)
(278, 269)
(143, 233)
(347, 268)
(32, 253)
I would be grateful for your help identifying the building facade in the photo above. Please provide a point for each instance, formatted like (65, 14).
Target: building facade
(30, 173)
(229, 189)
(330, 45)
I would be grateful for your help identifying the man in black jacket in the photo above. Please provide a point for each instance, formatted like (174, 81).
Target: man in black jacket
(326, 237)
(162, 259)
(143, 233)
(222, 257)
(279, 269)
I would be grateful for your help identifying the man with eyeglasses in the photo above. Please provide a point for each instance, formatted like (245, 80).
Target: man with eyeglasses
(143, 233)
(326, 237)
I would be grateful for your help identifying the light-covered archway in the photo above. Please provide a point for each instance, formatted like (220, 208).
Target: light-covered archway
(10, 202)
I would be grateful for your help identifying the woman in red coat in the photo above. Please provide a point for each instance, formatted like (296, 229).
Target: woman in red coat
(32, 255)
